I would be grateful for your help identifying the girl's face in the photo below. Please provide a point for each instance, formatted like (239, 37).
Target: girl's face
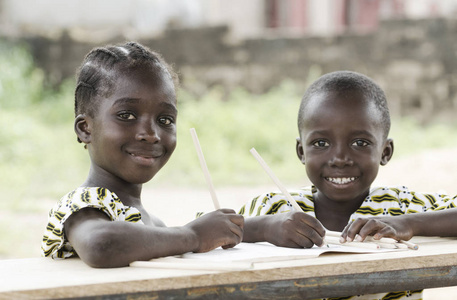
(342, 146)
(133, 133)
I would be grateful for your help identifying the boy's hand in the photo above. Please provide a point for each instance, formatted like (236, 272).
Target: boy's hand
(220, 228)
(396, 227)
(294, 230)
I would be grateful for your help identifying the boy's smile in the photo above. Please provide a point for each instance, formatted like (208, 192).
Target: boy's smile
(133, 132)
(342, 145)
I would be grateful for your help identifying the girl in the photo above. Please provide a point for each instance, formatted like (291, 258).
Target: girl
(125, 108)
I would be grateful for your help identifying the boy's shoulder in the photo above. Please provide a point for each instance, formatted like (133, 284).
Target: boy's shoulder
(302, 192)
(397, 189)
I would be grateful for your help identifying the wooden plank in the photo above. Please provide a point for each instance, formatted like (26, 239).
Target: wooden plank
(433, 265)
(309, 288)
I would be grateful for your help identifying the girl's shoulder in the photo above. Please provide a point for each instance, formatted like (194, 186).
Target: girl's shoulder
(99, 198)
(88, 193)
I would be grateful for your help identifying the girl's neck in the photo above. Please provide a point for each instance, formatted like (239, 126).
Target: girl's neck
(128, 193)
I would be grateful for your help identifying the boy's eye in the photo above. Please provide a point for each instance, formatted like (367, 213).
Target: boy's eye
(166, 120)
(360, 143)
(320, 143)
(127, 116)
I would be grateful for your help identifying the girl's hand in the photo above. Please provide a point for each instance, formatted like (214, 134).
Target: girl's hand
(293, 230)
(220, 228)
(397, 227)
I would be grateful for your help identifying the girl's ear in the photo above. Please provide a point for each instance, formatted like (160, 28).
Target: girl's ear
(82, 129)
(387, 152)
(300, 151)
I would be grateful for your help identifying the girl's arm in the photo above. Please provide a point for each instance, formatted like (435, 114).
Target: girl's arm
(404, 227)
(291, 229)
(101, 242)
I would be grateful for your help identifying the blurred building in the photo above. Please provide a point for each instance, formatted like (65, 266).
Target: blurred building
(407, 46)
(245, 18)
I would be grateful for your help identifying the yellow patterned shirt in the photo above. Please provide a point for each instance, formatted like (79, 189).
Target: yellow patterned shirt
(55, 244)
(381, 201)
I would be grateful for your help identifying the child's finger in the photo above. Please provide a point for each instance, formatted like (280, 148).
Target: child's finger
(238, 220)
(227, 211)
(353, 228)
(228, 246)
(315, 225)
(303, 241)
(238, 231)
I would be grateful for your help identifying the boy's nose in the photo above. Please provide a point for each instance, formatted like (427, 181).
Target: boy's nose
(340, 158)
(148, 131)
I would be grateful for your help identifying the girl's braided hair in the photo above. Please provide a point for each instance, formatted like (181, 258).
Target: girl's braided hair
(95, 76)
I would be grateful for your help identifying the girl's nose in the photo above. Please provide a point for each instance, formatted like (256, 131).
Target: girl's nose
(148, 132)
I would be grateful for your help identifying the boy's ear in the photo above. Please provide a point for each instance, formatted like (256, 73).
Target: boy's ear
(387, 152)
(300, 151)
(82, 129)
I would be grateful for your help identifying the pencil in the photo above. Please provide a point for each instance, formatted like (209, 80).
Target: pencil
(410, 245)
(201, 158)
(336, 241)
(278, 183)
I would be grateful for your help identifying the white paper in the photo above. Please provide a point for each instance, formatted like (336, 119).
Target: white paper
(263, 252)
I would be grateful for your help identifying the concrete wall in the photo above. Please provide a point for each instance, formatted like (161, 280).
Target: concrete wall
(413, 60)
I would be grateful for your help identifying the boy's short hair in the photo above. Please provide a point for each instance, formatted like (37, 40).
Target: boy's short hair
(96, 75)
(342, 81)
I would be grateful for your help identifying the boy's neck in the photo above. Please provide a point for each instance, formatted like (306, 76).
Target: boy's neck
(334, 215)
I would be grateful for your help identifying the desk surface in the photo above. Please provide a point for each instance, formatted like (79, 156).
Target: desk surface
(433, 265)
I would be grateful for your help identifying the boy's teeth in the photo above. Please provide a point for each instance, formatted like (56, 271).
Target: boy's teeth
(341, 180)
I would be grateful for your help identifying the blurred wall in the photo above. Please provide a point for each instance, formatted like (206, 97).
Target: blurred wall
(413, 60)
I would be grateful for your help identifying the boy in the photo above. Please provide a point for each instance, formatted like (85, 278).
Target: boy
(344, 123)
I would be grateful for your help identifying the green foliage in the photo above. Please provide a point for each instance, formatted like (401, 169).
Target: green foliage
(20, 82)
(411, 137)
(228, 129)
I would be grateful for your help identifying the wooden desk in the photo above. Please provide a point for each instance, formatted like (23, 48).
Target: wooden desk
(330, 275)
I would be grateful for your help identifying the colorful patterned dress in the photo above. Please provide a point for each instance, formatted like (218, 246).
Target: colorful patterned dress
(381, 201)
(55, 244)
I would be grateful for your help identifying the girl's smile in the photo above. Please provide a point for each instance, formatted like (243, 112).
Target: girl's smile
(146, 157)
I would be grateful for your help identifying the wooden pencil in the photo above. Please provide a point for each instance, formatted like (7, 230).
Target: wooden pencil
(275, 179)
(206, 173)
(410, 245)
(336, 241)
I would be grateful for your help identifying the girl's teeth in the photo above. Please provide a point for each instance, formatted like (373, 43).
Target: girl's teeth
(341, 180)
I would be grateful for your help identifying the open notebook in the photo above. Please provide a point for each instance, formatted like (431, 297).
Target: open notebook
(245, 255)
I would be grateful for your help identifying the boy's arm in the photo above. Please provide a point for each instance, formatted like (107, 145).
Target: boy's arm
(103, 243)
(292, 229)
(404, 227)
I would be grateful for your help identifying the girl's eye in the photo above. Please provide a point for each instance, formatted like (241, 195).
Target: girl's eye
(166, 120)
(360, 143)
(321, 143)
(126, 116)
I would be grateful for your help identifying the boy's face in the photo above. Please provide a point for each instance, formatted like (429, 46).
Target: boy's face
(133, 132)
(342, 145)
